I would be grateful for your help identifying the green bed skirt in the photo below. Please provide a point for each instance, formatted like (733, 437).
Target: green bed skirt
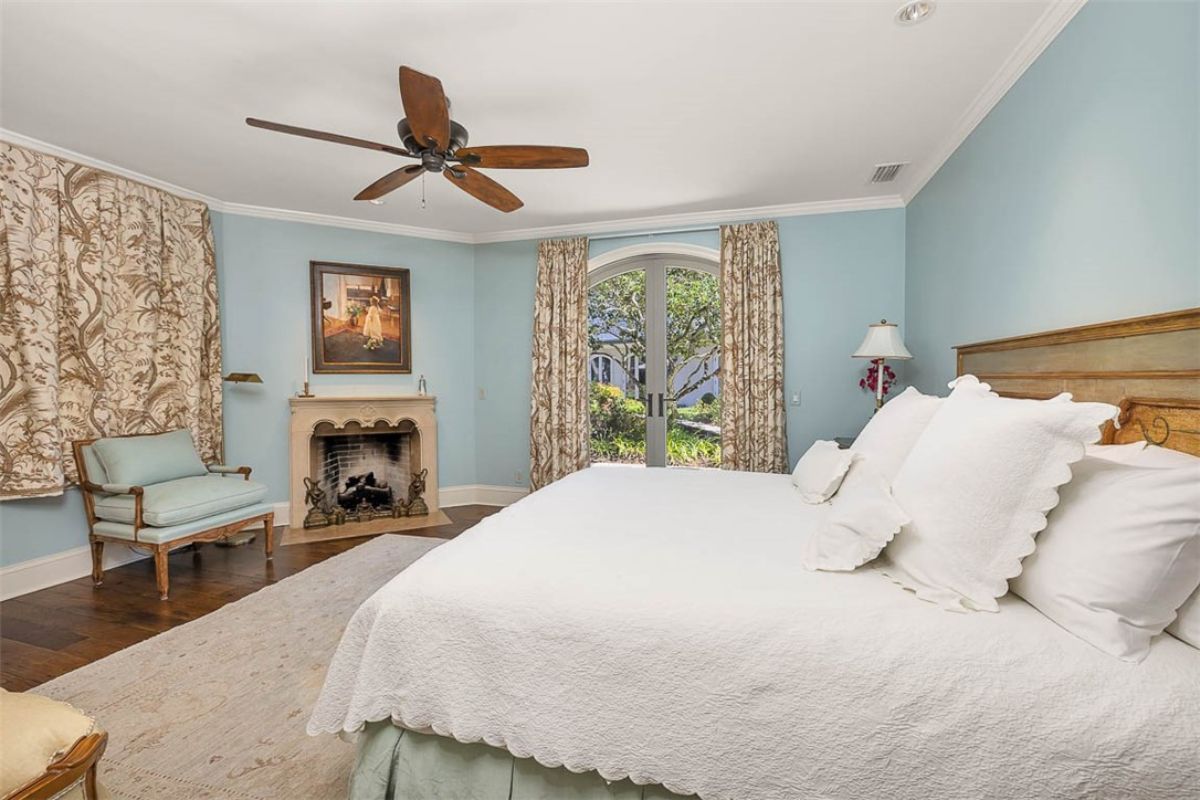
(396, 764)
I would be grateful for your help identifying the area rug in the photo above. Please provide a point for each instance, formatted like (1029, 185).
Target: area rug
(352, 530)
(216, 708)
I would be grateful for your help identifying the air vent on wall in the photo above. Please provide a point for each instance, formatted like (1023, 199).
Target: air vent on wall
(885, 173)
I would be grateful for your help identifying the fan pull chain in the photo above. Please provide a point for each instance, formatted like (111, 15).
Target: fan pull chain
(423, 174)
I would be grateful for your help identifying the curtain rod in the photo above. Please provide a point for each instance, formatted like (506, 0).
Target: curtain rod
(633, 234)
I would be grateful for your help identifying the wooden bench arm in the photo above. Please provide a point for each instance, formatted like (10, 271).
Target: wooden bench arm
(122, 488)
(78, 763)
(224, 469)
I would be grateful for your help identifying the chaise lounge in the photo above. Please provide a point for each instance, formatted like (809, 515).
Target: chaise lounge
(153, 493)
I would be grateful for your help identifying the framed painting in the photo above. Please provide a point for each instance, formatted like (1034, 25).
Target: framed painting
(360, 318)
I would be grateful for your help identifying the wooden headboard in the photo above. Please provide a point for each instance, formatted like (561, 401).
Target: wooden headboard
(1149, 366)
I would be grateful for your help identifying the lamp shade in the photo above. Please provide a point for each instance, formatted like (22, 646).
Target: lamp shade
(883, 341)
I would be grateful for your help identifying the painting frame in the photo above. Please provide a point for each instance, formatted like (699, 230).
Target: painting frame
(398, 303)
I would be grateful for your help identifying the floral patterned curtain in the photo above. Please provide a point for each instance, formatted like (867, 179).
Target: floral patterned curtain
(558, 419)
(108, 317)
(753, 415)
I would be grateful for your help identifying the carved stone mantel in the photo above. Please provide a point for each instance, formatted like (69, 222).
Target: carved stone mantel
(309, 412)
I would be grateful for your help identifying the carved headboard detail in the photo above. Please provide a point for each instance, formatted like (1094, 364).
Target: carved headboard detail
(1149, 366)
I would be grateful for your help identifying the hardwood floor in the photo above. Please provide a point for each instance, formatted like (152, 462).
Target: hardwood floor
(48, 633)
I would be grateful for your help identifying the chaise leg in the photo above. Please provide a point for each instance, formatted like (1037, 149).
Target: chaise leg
(269, 535)
(160, 570)
(97, 562)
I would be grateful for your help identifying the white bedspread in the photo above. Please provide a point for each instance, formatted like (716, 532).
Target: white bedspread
(657, 624)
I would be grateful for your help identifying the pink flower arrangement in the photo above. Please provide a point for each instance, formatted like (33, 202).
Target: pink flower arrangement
(868, 382)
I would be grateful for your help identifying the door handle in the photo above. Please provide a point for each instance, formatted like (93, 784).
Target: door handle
(660, 404)
(649, 405)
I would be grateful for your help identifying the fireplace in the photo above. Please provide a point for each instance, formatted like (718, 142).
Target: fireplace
(365, 470)
(362, 454)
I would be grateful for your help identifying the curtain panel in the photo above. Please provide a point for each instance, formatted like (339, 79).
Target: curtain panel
(108, 317)
(753, 414)
(558, 419)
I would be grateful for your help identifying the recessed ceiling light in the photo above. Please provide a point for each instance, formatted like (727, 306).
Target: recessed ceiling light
(378, 201)
(915, 11)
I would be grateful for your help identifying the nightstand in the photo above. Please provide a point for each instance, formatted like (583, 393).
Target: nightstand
(844, 442)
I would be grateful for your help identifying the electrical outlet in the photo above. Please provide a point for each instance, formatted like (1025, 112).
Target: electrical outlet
(482, 393)
(795, 398)
(518, 477)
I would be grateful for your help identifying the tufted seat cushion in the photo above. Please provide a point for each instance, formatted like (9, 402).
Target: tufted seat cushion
(34, 731)
(182, 500)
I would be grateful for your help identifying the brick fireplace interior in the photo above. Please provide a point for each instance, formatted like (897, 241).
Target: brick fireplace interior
(357, 464)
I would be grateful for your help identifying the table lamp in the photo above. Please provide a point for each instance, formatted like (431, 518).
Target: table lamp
(883, 341)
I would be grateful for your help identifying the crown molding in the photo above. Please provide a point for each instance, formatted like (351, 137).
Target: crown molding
(635, 226)
(1047, 28)
(21, 140)
(216, 204)
(632, 225)
(394, 228)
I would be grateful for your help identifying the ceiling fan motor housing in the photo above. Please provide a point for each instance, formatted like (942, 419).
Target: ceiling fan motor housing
(458, 137)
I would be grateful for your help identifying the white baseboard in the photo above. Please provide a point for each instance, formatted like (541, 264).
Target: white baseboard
(480, 494)
(41, 573)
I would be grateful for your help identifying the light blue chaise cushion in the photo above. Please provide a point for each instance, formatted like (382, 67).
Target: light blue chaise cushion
(143, 460)
(182, 500)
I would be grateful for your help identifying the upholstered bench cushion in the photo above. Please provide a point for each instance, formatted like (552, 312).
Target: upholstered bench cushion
(124, 530)
(142, 460)
(34, 730)
(182, 500)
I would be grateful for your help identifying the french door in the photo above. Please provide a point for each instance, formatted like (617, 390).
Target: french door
(654, 362)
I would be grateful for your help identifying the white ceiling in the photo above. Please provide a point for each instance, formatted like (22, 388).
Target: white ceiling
(684, 107)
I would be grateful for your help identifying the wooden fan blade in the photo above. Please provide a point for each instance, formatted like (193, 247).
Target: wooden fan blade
(483, 188)
(426, 108)
(390, 182)
(523, 156)
(336, 138)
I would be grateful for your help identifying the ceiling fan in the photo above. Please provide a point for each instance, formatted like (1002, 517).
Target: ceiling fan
(440, 143)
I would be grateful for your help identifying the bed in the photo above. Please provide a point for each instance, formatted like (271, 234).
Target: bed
(677, 649)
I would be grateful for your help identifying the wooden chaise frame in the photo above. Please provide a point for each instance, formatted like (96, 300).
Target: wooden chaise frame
(160, 551)
(78, 763)
(1148, 366)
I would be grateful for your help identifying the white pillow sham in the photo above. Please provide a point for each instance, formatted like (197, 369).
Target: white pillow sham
(1120, 554)
(977, 486)
(895, 428)
(1186, 626)
(863, 518)
(820, 471)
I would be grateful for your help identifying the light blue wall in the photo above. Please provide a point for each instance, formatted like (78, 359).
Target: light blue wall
(41, 526)
(262, 271)
(1075, 200)
(264, 276)
(840, 272)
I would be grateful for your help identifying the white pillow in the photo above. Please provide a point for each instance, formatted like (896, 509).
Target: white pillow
(895, 428)
(863, 518)
(1186, 626)
(819, 472)
(1120, 555)
(978, 485)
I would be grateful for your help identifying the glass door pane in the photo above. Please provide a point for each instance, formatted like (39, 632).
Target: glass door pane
(693, 355)
(619, 393)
